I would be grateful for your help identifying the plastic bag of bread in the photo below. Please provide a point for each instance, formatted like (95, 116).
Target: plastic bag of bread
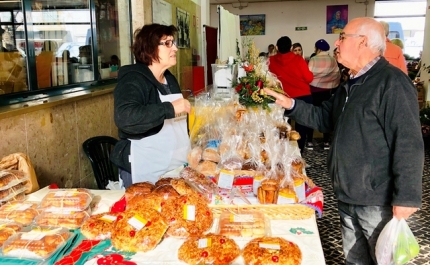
(63, 218)
(67, 199)
(209, 249)
(21, 162)
(243, 223)
(12, 193)
(202, 182)
(271, 251)
(40, 243)
(8, 229)
(11, 178)
(138, 230)
(22, 212)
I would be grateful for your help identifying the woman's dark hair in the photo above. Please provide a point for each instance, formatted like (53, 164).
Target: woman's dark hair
(295, 45)
(147, 39)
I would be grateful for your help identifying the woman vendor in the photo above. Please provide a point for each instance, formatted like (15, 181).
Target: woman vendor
(149, 110)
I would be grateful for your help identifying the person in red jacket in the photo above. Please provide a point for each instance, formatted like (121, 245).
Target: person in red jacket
(293, 72)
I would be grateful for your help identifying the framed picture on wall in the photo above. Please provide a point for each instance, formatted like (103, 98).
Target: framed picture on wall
(183, 24)
(252, 25)
(337, 17)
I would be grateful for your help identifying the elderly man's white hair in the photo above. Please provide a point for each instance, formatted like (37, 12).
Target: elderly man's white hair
(374, 32)
(386, 27)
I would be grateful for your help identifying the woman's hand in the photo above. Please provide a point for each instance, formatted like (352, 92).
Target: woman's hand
(181, 105)
(281, 100)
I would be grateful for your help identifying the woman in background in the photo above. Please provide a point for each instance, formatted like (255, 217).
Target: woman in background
(297, 49)
(149, 110)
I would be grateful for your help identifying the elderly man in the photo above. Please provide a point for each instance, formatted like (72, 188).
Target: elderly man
(377, 153)
(393, 53)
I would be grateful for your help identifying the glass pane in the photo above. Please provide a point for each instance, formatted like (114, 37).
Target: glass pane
(400, 8)
(410, 31)
(13, 64)
(113, 36)
(62, 42)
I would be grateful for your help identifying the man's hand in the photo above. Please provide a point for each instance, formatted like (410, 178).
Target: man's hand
(403, 212)
(281, 100)
(181, 105)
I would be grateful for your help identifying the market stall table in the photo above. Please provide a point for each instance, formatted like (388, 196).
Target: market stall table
(302, 232)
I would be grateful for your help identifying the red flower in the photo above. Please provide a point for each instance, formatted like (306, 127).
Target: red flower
(238, 88)
(248, 68)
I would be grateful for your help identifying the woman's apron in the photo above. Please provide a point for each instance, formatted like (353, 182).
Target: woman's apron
(153, 156)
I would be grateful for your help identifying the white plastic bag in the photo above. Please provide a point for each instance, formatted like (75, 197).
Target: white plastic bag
(396, 244)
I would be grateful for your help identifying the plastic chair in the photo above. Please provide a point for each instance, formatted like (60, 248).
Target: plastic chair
(98, 150)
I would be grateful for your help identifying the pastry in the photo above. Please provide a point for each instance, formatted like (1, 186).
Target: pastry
(138, 230)
(37, 244)
(70, 199)
(67, 219)
(153, 201)
(187, 216)
(294, 136)
(246, 223)
(207, 168)
(99, 226)
(7, 230)
(271, 251)
(210, 154)
(9, 193)
(138, 188)
(194, 156)
(165, 191)
(11, 177)
(18, 211)
(268, 191)
(209, 249)
(162, 181)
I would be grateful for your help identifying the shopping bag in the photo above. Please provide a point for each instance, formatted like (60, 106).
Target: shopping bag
(396, 244)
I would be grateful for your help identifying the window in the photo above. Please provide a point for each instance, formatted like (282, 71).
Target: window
(407, 21)
(59, 44)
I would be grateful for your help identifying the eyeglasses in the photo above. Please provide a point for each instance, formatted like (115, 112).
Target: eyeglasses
(342, 35)
(168, 43)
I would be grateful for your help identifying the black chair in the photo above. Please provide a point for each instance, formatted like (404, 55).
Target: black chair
(98, 150)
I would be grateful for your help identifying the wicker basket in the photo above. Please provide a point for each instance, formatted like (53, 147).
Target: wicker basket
(271, 211)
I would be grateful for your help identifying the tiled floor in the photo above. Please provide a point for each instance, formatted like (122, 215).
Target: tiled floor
(329, 225)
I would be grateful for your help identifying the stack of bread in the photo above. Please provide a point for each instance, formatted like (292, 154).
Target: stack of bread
(12, 185)
(252, 150)
(22, 212)
(40, 243)
(65, 207)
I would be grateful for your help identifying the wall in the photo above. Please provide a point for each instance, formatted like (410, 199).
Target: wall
(52, 138)
(283, 17)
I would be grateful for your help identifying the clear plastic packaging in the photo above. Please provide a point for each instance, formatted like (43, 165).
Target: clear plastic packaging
(10, 178)
(209, 249)
(8, 229)
(67, 199)
(140, 188)
(39, 243)
(205, 184)
(63, 218)
(19, 211)
(243, 223)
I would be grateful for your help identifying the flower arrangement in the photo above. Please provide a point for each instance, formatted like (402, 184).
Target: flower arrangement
(250, 87)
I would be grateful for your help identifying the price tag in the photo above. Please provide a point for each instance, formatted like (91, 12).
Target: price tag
(65, 193)
(226, 179)
(275, 246)
(241, 218)
(23, 207)
(190, 212)
(137, 222)
(108, 218)
(204, 243)
(33, 235)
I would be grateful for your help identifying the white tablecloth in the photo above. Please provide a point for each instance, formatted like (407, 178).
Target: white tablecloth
(302, 232)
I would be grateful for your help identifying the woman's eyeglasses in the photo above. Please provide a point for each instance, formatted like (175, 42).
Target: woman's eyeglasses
(168, 43)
